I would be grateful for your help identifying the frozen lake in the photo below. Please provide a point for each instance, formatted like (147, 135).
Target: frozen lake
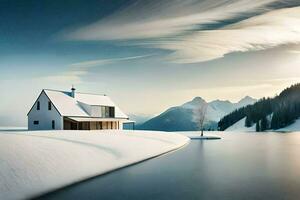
(240, 166)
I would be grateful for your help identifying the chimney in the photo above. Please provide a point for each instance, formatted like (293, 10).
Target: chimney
(73, 91)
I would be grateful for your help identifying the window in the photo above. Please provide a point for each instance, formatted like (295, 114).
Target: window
(106, 111)
(36, 122)
(53, 124)
(111, 111)
(98, 125)
(49, 105)
(102, 111)
(38, 105)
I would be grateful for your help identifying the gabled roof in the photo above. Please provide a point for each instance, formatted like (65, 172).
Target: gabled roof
(65, 104)
(69, 106)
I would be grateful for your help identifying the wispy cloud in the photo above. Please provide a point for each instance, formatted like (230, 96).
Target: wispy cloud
(77, 71)
(159, 18)
(69, 77)
(99, 62)
(269, 30)
(179, 26)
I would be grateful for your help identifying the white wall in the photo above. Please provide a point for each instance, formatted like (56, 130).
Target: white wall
(44, 116)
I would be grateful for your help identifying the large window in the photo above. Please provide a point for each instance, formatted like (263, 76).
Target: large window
(107, 111)
(98, 125)
(38, 105)
(49, 105)
(36, 122)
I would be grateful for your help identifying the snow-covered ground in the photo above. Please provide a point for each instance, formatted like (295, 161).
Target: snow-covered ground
(293, 127)
(240, 126)
(32, 163)
(11, 128)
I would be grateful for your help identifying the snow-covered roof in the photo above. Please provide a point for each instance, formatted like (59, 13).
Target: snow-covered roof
(94, 99)
(69, 106)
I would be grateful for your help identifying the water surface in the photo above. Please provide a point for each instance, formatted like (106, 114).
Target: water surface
(240, 166)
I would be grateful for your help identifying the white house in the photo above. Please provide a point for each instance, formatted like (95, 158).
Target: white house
(60, 110)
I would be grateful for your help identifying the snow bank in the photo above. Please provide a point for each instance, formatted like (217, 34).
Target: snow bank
(32, 163)
(240, 126)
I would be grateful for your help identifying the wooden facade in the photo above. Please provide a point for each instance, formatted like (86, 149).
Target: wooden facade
(93, 125)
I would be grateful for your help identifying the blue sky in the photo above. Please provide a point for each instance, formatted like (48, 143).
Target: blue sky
(147, 55)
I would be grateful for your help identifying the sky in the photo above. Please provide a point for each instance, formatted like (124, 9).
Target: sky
(147, 55)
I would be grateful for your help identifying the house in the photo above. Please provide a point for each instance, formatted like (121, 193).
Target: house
(61, 110)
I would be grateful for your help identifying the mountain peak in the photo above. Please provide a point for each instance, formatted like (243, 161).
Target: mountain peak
(247, 99)
(194, 103)
(198, 99)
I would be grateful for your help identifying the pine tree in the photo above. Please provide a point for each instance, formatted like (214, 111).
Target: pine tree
(257, 127)
(264, 124)
(248, 122)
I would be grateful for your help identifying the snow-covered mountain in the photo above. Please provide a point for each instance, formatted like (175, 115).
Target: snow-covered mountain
(218, 108)
(182, 118)
(247, 100)
(280, 113)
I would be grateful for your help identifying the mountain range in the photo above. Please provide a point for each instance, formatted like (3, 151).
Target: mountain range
(183, 117)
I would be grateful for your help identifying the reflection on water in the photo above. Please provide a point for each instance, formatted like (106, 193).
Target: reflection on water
(240, 166)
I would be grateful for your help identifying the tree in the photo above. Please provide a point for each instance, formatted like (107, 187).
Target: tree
(248, 122)
(257, 127)
(200, 116)
(264, 124)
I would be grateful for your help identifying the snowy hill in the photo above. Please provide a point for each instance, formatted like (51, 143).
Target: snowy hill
(33, 163)
(240, 127)
(182, 118)
(293, 127)
(279, 113)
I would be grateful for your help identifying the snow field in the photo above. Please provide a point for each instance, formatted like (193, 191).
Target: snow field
(32, 163)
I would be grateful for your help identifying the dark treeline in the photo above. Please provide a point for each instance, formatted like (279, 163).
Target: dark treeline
(268, 113)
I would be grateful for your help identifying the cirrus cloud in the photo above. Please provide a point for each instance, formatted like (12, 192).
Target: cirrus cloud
(181, 27)
(146, 19)
(261, 32)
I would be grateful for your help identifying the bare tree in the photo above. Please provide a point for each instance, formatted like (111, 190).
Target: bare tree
(200, 114)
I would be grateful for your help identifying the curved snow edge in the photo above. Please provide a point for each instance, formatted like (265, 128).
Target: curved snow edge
(52, 150)
(112, 170)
